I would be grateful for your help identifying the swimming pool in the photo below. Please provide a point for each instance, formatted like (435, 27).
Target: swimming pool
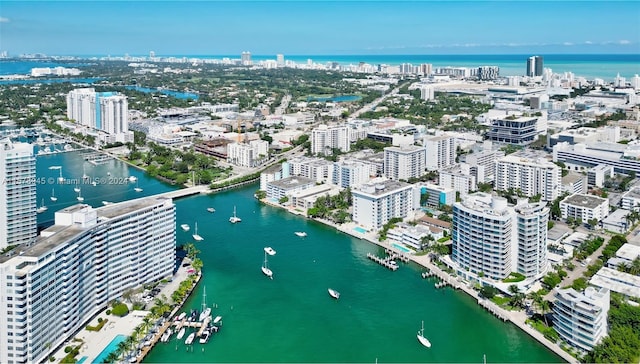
(360, 230)
(81, 360)
(401, 248)
(113, 345)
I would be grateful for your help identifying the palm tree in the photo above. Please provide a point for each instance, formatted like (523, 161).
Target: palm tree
(122, 348)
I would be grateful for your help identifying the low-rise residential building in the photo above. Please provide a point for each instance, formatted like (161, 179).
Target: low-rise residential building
(305, 199)
(621, 282)
(624, 256)
(574, 182)
(584, 207)
(631, 199)
(319, 170)
(375, 203)
(412, 235)
(616, 221)
(286, 186)
(581, 318)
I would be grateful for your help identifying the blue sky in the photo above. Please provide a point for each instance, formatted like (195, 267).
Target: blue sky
(318, 27)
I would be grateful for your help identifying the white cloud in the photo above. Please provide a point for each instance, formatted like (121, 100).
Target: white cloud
(567, 44)
(588, 42)
(4, 20)
(624, 41)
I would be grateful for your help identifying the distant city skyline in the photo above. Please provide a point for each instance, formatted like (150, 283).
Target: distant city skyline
(319, 27)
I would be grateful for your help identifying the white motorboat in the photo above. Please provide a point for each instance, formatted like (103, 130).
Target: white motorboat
(166, 336)
(269, 250)
(301, 234)
(133, 178)
(182, 316)
(137, 188)
(423, 340)
(217, 320)
(333, 293)
(190, 338)
(42, 208)
(234, 219)
(211, 209)
(181, 333)
(204, 314)
(80, 198)
(265, 269)
(185, 227)
(53, 195)
(195, 236)
(76, 188)
(204, 338)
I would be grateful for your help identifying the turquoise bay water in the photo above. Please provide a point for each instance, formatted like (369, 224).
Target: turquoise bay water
(113, 345)
(341, 98)
(176, 94)
(292, 318)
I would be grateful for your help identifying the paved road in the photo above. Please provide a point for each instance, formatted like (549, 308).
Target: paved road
(372, 105)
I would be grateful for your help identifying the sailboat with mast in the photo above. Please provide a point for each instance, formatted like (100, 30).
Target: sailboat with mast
(53, 195)
(423, 340)
(79, 198)
(42, 208)
(206, 311)
(265, 267)
(197, 237)
(234, 219)
(137, 188)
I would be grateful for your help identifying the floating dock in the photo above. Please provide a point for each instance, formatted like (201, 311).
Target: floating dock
(385, 262)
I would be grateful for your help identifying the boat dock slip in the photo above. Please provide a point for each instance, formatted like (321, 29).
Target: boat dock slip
(385, 262)
(183, 192)
(427, 274)
(96, 158)
(491, 307)
(395, 255)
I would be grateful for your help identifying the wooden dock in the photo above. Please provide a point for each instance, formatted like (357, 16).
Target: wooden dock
(385, 262)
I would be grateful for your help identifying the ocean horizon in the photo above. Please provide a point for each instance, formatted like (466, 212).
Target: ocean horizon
(590, 66)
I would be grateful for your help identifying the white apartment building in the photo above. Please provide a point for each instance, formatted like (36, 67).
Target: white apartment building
(598, 174)
(319, 170)
(531, 176)
(325, 138)
(584, 207)
(252, 154)
(631, 199)
(350, 173)
(459, 179)
(483, 164)
(51, 288)
(436, 195)
(492, 239)
(440, 152)
(374, 204)
(404, 162)
(287, 186)
(18, 221)
(581, 318)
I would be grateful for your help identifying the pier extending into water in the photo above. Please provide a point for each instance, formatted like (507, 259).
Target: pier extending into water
(184, 192)
(385, 262)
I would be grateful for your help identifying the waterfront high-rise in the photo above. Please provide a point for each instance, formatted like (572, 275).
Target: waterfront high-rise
(90, 257)
(534, 66)
(532, 176)
(18, 222)
(492, 239)
(103, 111)
(375, 203)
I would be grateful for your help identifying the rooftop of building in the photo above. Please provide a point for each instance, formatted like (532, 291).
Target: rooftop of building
(557, 232)
(292, 182)
(589, 300)
(633, 193)
(582, 200)
(59, 234)
(617, 281)
(530, 157)
(405, 149)
(378, 188)
(572, 177)
(628, 252)
(432, 221)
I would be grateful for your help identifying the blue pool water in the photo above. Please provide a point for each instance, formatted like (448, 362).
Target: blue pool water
(398, 246)
(81, 360)
(359, 229)
(113, 345)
